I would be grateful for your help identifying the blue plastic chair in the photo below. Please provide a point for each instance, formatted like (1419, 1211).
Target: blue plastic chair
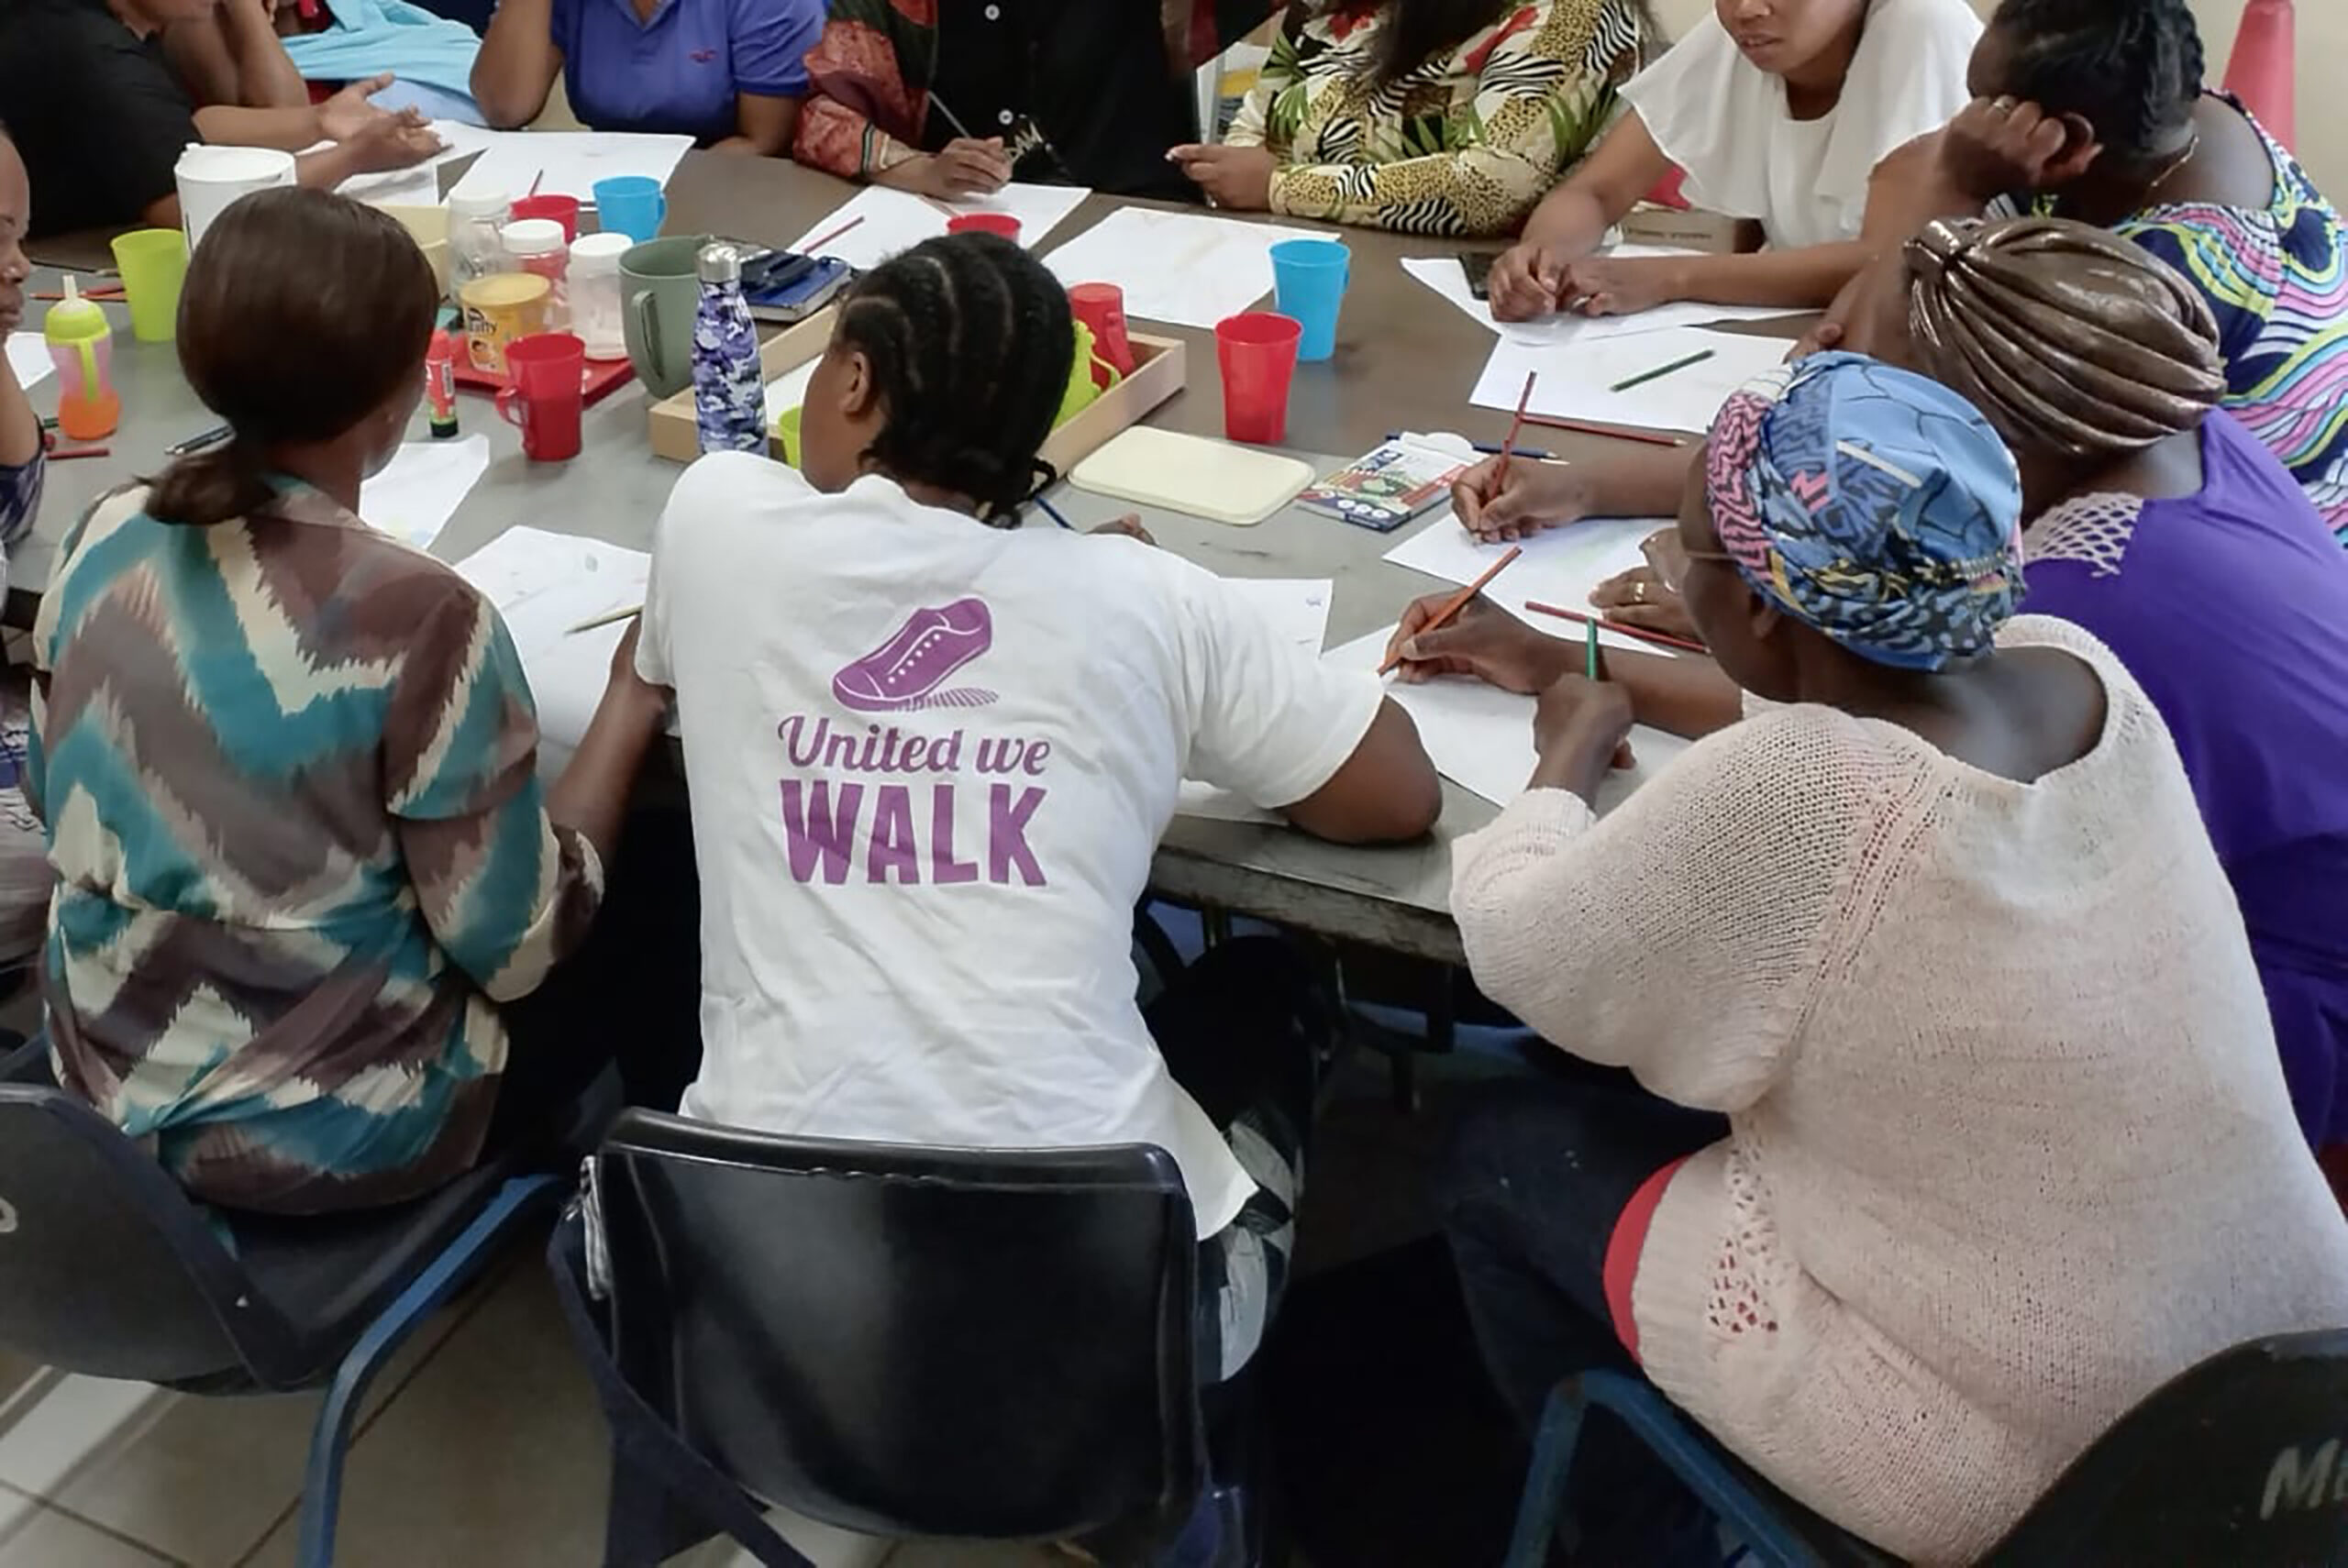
(108, 1268)
(2241, 1461)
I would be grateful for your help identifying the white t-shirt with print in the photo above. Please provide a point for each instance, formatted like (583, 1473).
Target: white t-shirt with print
(930, 762)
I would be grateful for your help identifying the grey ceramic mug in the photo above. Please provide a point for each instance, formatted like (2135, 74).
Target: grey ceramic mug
(658, 295)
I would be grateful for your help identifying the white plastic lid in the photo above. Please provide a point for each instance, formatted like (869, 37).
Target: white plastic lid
(599, 252)
(532, 236)
(480, 201)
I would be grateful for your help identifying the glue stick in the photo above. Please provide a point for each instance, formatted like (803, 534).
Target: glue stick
(440, 385)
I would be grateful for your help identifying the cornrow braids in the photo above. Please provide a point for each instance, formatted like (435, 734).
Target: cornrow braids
(971, 343)
(2132, 68)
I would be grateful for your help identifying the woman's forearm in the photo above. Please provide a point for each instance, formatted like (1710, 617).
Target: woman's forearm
(1804, 279)
(287, 130)
(19, 426)
(517, 63)
(1686, 696)
(1570, 224)
(1625, 480)
(591, 797)
(266, 77)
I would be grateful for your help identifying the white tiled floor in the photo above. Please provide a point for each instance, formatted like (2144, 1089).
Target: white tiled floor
(482, 1447)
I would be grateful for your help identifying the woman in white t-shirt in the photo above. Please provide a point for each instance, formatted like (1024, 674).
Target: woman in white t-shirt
(1776, 112)
(931, 754)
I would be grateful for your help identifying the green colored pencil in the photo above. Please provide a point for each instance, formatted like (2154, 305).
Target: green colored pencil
(1589, 650)
(1698, 357)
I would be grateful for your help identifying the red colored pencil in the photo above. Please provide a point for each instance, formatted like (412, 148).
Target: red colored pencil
(1459, 602)
(1516, 425)
(1663, 639)
(816, 248)
(104, 293)
(1650, 437)
(81, 452)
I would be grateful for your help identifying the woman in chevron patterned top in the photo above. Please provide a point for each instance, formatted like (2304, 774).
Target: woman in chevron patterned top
(2093, 110)
(1430, 116)
(289, 767)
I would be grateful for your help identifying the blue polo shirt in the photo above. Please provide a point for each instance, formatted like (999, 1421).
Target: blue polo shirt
(679, 72)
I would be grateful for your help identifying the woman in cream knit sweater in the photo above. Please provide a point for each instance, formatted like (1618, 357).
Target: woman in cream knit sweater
(1939, 931)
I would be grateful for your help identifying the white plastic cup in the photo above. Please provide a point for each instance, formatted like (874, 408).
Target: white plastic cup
(211, 178)
(595, 304)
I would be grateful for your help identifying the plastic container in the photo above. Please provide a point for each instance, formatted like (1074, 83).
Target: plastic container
(1101, 307)
(563, 210)
(537, 246)
(210, 179)
(544, 399)
(153, 264)
(1256, 353)
(598, 311)
(1309, 279)
(499, 310)
(81, 344)
(1000, 225)
(475, 220)
(730, 386)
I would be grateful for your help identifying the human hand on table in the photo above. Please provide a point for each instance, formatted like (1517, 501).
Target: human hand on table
(1483, 640)
(1644, 597)
(1603, 285)
(351, 111)
(1502, 500)
(1524, 285)
(1580, 729)
(393, 141)
(1236, 179)
(1128, 526)
(966, 168)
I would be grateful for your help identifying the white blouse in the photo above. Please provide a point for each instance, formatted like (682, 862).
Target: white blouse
(1723, 119)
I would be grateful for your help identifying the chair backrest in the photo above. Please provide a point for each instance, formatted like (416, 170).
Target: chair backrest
(912, 1342)
(2243, 1460)
(105, 1266)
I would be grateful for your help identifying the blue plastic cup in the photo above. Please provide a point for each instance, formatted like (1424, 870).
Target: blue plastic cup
(1309, 278)
(631, 205)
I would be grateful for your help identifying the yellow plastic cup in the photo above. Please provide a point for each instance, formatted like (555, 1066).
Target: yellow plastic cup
(786, 430)
(153, 263)
(499, 309)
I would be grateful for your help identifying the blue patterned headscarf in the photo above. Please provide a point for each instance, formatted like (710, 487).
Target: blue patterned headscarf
(1871, 504)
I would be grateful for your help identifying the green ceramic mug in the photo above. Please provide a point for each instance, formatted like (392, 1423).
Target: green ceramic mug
(660, 293)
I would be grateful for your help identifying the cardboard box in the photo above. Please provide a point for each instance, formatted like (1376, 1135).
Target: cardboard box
(1160, 370)
(1680, 229)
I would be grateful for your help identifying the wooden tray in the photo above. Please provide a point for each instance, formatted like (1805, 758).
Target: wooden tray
(1160, 370)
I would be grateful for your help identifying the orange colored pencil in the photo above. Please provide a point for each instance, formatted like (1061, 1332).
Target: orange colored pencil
(1459, 601)
(1663, 639)
(1516, 425)
(1584, 427)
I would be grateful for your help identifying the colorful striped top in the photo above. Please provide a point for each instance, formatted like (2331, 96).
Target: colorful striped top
(289, 767)
(2277, 278)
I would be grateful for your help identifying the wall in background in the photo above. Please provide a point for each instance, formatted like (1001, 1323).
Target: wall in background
(2323, 35)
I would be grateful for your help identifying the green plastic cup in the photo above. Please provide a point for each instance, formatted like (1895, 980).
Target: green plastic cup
(152, 261)
(786, 430)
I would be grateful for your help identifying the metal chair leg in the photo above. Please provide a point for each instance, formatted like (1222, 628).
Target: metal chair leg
(517, 1200)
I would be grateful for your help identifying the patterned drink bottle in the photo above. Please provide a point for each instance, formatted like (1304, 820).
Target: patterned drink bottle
(729, 387)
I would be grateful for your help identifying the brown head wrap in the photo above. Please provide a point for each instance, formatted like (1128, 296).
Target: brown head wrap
(2066, 337)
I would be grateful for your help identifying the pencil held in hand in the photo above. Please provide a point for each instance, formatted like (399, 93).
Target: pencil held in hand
(1458, 603)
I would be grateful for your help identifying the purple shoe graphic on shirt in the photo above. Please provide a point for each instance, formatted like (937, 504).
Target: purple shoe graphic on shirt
(906, 671)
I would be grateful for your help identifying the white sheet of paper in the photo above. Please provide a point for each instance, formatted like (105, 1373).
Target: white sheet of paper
(29, 358)
(1300, 607)
(1559, 566)
(564, 163)
(1189, 268)
(789, 390)
(1574, 381)
(419, 186)
(544, 584)
(896, 220)
(413, 498)
(1480, 737)
(1448, 278)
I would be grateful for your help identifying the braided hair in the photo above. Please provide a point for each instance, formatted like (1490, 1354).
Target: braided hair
(2066, 337)
(2131, 67)
(971, 343)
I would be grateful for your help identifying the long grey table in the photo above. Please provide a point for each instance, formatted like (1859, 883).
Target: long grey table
(1405, 359)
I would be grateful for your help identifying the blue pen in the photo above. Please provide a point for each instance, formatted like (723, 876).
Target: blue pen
(1489, 450)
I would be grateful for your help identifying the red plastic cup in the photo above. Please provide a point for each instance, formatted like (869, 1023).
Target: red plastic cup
(1258, 353)
(1101, 307)
(1002, 224)
(546, 395)
(564, 210)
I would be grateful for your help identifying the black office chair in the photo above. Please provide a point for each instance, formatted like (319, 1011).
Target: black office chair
(903, 1342)
(106, 1268)
(2241, 1461)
